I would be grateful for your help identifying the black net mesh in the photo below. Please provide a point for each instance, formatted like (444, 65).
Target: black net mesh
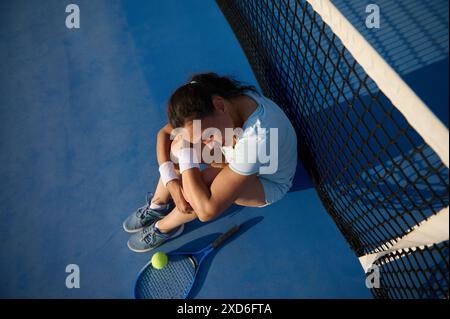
(414, 274)
(374, 173)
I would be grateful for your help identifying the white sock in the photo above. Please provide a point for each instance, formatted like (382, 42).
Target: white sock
(157, 206)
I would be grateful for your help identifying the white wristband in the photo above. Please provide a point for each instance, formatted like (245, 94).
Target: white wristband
(187, 159)
(167, 172)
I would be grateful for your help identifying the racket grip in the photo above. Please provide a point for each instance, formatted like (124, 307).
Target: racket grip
(225, 236)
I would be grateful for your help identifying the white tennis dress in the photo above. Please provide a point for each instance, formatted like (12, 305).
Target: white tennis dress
(267, 147)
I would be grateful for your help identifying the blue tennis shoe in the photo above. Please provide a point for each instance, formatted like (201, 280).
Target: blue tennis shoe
(145, 216)
(150, 237)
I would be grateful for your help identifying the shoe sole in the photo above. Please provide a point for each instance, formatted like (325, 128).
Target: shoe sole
(178, 233)
(131, 231)
(134, 231)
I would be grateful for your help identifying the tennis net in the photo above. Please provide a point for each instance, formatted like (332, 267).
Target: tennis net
(377, 156)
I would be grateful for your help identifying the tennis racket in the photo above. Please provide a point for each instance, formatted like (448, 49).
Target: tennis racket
(177, 278)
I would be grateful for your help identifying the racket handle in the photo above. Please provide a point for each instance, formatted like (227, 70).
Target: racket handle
(225, 236)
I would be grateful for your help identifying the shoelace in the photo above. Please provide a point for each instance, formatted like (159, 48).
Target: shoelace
(148, 235)
(145, 210)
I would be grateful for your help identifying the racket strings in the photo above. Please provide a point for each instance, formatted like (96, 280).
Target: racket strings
(171, 282)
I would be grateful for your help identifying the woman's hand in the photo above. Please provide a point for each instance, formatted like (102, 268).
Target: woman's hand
(175, 190)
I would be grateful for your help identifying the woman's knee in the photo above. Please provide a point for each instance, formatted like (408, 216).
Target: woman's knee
(208, 175)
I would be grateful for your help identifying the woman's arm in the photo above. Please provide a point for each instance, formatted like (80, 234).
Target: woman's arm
(208, 203)
(163, 146)
(163, 143)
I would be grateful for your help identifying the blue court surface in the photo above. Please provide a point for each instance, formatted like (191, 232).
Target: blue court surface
(80, 109)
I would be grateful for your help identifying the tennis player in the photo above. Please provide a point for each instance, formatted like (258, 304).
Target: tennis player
(224, 144)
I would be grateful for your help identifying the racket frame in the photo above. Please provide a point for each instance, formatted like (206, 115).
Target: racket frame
(195, 257)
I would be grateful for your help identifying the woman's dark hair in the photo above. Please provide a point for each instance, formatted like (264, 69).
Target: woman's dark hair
(194, 99)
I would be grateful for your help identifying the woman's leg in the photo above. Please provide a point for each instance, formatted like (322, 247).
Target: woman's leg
(175, 218)
(253, 196)
(161, 195)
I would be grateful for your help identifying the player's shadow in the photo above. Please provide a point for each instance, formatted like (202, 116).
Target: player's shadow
(202, 242)
(193, 225)
(301, 179)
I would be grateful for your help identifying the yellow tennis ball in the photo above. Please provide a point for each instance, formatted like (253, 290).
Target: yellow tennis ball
(159, 260)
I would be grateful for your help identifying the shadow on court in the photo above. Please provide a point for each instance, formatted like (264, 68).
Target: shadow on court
(202, 242)
(193, 225)
(301, 179)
